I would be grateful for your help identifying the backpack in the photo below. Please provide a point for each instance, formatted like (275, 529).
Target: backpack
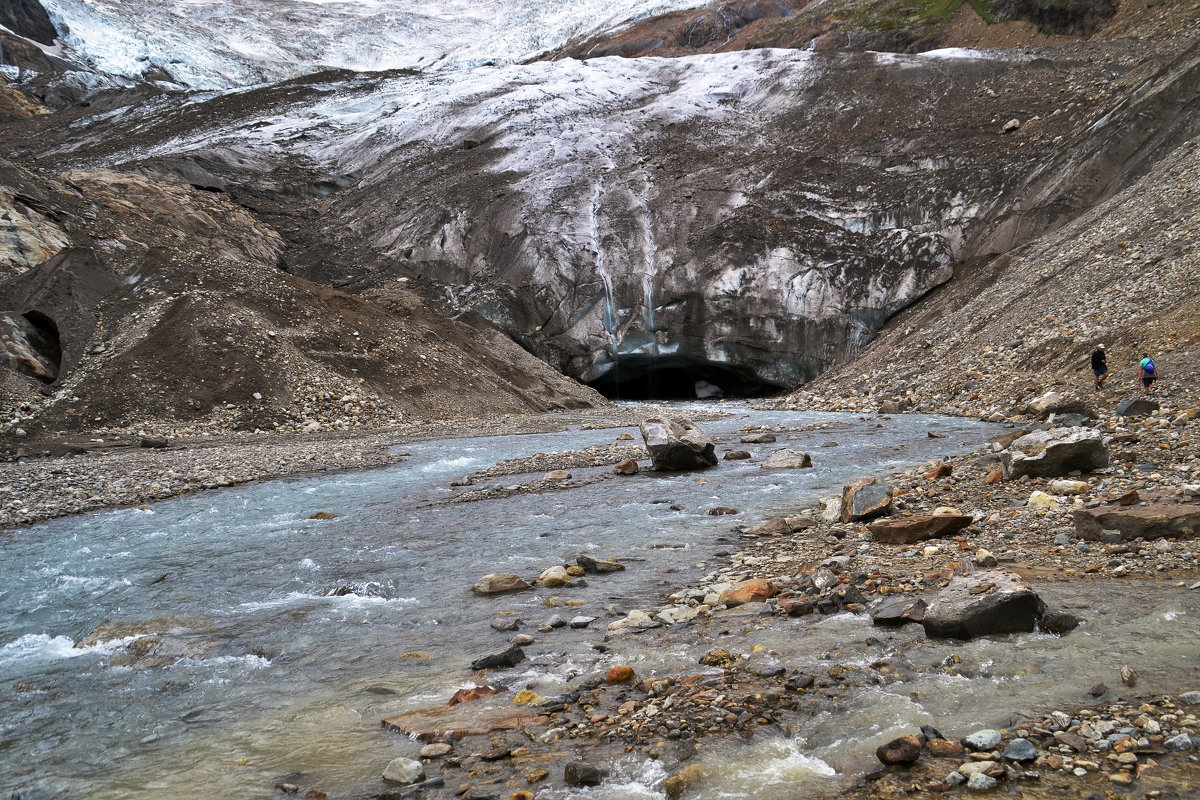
(1148, 365)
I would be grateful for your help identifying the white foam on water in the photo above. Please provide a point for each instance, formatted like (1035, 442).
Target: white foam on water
(449, 464)
(308, 563)
(33, 647)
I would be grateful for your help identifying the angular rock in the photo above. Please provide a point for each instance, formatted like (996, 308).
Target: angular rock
(983, 603)
(983, 740)
(801, 522)
(1053, 453)
(500, 583)
(598, 566)
(721, 511)
(787, 459)
(509, 657)
(626, 467)
(982, 783)
(894, 406)
(1054, 403)
(580, 773)
(636, 620)
(904, 750)
(1155, 519)
(1021, 750)
(436, 750)
(1137, 407)
(756, 590)
(907, 530)
(899, 611)
(944, 748)
(775, 526)
(1069, 487)
(471, 694)
(506, 623)
(677, 444)
(762, 437)
(736, 455)
(865, 498)
(404, 770)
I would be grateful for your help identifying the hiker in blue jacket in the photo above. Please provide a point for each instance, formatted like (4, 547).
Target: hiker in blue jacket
(1148, 372)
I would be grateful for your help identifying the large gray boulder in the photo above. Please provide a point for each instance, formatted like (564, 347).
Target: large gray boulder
(1058, 451)
(864, 499)
(981, 604)
(677, 444)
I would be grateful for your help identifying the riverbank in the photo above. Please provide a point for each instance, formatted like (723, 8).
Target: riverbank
(118, 471)
(1133, 731)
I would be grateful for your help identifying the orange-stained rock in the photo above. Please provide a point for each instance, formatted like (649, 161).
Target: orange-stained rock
(942, 470)
(619, 674)
(756, 590)
(626, 467)
(907, 530)
(474, 693)
(995, 476)
(944, 748)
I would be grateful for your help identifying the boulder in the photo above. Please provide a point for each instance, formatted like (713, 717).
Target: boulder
(904, 750)
(557, 476)
(864, 499)
(404, 770)
(736, 455)
(1069, 487)
(1156, 518)
(636, 620)
(983, 603)
(509, 657)
(761, 437)
(554, 576)
(721, 511)
(500, 583)
(598, 566)
(899, 611)
(1054, 403)
(1137, 407)
(626, 467)
(908, 530)
(787, 459)
(756, 590)
(677, 444)
(1053, 453)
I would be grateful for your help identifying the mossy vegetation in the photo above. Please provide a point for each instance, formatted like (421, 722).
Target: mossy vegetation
(893, 14)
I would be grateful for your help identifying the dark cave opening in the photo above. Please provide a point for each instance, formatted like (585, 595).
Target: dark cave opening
(44, 339)
(642, 377)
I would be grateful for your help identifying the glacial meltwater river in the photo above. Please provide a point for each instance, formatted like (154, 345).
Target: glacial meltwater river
(279, 642)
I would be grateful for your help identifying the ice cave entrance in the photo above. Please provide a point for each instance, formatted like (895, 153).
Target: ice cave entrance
(639, 377)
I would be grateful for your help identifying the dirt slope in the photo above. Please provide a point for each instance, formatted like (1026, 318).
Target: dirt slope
(170, 314)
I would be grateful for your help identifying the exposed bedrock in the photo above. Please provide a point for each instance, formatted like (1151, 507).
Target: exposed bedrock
(744, 219)
(27, 18)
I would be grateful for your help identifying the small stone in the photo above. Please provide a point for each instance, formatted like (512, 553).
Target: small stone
(581, 622)
(1021, 750)
(736, 455)
(982, 783)
(619, 674)
(404, 770)
(626, 467)
(557, 476)
(509, 657)
(1181, 743)
(553, 577)
(436, 750)
(983, 741)
(580, 773)
(903, 750)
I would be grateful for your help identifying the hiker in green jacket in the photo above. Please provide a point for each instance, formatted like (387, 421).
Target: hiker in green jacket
(1148, 372)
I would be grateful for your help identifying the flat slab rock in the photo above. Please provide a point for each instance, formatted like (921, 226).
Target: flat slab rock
(907, 530)
(464, 719)
(1155, 518)
(982, 604)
